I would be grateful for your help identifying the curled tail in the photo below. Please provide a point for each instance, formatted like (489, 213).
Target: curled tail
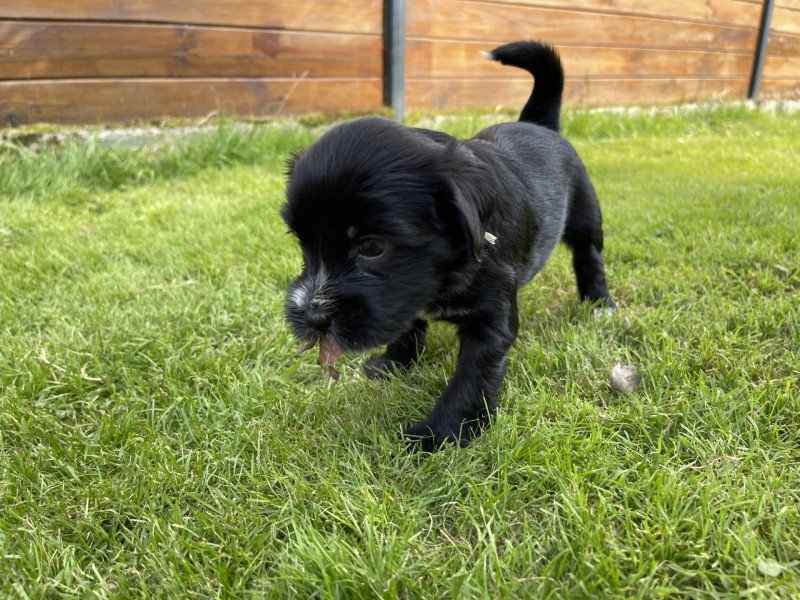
(542, 61)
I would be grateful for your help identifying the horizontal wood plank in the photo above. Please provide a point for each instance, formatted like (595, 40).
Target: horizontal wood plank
(473, 21)
(34, 49)
(458, 94)
(447, 59)
(782, 67)
(785, 20)
(120, 100)
(795, 4)
(99, 61)
(780, 89)
(729, 12)
(356, 16)
(781, 75)
(783, 44)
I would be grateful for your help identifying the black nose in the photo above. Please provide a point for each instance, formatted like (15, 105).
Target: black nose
(318, 319)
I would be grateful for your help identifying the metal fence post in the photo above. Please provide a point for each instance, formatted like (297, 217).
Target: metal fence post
(761, 50)
(394, 56)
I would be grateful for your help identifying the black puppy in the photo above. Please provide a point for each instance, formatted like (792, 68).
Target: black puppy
(399, 226)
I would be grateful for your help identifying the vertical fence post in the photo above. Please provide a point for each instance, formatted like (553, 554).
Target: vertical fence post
(394, 56)
(761, 50)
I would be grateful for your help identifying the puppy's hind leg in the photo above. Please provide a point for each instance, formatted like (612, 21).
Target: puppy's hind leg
(584, 234)
(401, 354)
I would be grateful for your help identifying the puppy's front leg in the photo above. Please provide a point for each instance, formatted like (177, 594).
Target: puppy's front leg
(401, 354)
(470, 397)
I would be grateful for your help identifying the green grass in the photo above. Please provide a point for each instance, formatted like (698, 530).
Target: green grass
(159, 436)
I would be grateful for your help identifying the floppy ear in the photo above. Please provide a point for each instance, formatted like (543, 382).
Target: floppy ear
(459, 218)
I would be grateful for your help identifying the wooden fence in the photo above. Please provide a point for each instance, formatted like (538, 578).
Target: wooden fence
(782, 68)
(89, 61)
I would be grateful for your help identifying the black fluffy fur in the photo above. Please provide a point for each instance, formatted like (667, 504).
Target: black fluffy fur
(541, 61)
(426, 200)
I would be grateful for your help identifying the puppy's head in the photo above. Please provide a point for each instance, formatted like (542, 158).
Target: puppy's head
(383, 231)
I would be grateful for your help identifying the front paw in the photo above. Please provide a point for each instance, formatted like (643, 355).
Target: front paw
(431, 436)
(382, 367)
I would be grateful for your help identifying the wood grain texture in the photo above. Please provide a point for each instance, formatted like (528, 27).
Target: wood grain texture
(780, 89)
(34, 49)
(785, 20)
(448, 59)
(499, 23)
(783, 44)
(730, 12)
(100, 61)
(781, 76)
(362, 16)
(125, 100)
(782, 67)
(795, 4)
(462, 93)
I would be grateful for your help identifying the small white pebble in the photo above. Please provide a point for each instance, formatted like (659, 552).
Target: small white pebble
(625, 378)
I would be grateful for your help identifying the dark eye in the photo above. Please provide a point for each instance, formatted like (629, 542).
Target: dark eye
(371, 247)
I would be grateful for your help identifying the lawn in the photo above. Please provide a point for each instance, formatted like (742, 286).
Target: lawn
(160, 436)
